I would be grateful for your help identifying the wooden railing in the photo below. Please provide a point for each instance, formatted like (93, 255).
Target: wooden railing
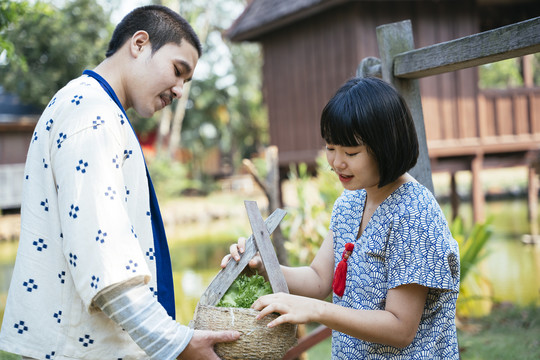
(402, 65)
(508, 121)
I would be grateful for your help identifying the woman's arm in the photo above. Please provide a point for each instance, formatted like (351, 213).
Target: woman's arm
(396, 325)
(312, 281)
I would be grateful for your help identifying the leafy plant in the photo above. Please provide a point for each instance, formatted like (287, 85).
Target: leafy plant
(244, 291)
(473, 300)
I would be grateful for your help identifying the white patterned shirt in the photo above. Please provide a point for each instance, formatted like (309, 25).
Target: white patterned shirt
(85, 226)
(407, 240)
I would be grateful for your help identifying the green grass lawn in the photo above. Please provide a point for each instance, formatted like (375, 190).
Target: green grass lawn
(508, 333)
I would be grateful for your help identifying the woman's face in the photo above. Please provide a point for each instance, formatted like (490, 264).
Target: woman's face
(355, 166)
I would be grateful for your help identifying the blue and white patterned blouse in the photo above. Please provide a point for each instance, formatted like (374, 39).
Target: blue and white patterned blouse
(85, 225)
(406, 241)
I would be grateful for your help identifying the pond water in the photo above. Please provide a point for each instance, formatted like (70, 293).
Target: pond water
(511, 267)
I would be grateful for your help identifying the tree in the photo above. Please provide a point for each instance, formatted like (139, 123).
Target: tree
(226, 107)
(10, 13)
(56, 45)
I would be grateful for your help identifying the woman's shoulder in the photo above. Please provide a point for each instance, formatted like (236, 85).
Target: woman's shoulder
(350, 198)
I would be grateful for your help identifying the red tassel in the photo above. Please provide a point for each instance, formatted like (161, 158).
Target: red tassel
(341, 270)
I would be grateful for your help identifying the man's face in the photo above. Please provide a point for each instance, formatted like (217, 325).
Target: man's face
(159, 78)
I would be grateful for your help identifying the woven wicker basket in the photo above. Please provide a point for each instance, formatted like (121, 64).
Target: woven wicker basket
(258, 342)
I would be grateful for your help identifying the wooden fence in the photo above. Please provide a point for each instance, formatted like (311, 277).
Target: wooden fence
(402, 65)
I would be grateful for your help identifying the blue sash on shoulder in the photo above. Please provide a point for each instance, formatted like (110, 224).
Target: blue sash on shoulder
(165, 285)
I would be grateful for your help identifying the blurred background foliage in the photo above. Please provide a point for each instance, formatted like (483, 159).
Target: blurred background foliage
(45, 44)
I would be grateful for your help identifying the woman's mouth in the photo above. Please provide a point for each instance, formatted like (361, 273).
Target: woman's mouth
(345, 178)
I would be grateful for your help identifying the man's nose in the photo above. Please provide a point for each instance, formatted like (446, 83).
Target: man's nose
(178, 89)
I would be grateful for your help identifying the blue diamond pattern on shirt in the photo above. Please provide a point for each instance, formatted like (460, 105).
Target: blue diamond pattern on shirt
(45, 204)
(62, 277)
(110, 193)
(51, 103)
(127, 154)
(60, 140)
(133, 231)
(127, 193)
(132, 266)
(58, 316)
(73, 211)
(34, 137)
(86, 340)
(21, 328)
(82, 166)
(94, 283)
(97, 122)
(116, 161)
(50, 356)
(76, 99)
(100, 238)
(121, 117)
(48, 124)
(151, 253)
(40, 244)
(73, 259)
(30, 285)
(45, 165)
(153, 291)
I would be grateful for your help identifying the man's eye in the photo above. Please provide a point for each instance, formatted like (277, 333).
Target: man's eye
(176, 71)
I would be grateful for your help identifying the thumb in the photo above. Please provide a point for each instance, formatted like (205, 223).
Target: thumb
(225, 336)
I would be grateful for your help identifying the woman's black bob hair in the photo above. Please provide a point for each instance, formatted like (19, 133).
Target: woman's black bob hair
(370, 112)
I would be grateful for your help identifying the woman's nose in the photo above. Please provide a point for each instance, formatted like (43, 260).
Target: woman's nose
(339, 162)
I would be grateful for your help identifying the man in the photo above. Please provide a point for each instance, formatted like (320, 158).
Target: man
(93, 278)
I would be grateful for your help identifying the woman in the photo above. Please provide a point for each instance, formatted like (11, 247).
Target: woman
(389, 255)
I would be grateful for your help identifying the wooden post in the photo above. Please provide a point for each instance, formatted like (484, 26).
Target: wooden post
(394, 39)
(533, 201)
(454, 196)
(477, 193)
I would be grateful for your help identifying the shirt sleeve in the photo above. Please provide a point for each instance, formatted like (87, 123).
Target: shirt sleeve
(133, 308)
(100, 242)
(421, 249)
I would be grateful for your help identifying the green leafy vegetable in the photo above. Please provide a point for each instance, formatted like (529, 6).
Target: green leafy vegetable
(244, 291)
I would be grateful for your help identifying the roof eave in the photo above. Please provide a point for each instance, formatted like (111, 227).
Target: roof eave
(253, 34)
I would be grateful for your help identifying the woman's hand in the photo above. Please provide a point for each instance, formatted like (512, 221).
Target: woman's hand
(293, 309)
(236, 251)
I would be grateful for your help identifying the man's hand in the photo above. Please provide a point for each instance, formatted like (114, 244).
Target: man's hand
(201, 346)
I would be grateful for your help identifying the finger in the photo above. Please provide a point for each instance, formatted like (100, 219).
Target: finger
(233, 249)
(268, 310)
(226, 336)
(278, 321)
(225, 260)
(241, 244)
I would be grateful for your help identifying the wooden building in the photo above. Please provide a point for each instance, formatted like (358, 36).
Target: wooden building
(310, 47)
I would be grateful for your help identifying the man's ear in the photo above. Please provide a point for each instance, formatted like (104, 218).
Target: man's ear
(138, 42)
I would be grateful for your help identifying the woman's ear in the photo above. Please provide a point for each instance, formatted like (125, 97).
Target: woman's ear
(138, 42)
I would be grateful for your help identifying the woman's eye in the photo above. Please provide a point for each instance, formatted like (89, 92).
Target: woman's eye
(351, 154)
(329, 148)
(176, 71)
